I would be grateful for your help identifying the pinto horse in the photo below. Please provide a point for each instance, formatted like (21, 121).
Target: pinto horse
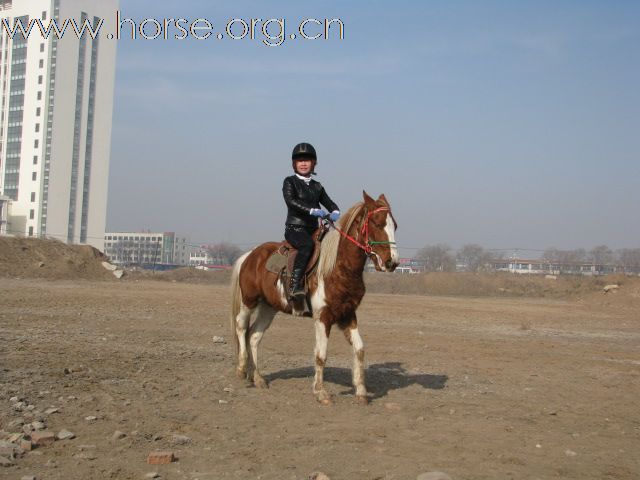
(335, 289)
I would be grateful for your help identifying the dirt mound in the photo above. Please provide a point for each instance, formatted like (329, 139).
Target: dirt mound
(50, 259)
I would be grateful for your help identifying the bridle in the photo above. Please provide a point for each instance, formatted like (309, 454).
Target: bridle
(366, 245)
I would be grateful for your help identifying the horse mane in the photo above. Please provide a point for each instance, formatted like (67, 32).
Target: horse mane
(329, 250)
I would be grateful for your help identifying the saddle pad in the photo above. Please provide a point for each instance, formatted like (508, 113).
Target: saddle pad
(276, 262)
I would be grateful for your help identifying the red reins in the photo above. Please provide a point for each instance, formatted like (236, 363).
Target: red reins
(367, 245)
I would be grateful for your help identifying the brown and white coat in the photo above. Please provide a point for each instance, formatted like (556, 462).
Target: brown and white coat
(335, 289)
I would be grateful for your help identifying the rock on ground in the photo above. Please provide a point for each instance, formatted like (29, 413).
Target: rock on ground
(319, 476)
(65, 435)
(433, 476)
(180, 440)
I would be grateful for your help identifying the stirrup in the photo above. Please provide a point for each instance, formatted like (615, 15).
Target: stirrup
(297, 294)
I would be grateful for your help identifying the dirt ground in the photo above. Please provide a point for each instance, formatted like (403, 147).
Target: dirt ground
(479, 388)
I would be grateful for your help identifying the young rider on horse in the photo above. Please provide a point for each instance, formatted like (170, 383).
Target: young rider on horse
(303, 197)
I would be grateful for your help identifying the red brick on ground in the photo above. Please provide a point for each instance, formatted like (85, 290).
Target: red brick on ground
(160, 458)
(43, 438)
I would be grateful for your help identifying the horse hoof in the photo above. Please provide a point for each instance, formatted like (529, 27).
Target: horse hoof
(325, 399)
(260, 383)
(362, 400)
(241, 374)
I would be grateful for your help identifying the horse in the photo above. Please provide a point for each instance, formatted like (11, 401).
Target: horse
(335, 290)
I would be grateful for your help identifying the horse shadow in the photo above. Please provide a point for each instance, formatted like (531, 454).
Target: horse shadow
(381, 378)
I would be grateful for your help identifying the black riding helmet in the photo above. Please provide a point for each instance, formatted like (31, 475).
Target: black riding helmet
(304, 150)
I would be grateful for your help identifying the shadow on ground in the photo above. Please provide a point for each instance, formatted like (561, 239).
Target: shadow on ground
(381, 378)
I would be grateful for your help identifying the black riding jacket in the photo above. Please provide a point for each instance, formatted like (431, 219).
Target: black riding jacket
(300, 198)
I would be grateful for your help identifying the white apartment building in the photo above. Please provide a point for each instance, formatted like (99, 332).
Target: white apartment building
(147, 248)
(56, 105)
(200, 257)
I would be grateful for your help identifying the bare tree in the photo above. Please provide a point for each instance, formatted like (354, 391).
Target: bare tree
(437, 258)
(578, 255)
(601, 255)
(565, 256)
(551, 254)
(630, 259)
(122, 252)
(117, 252)
(224, 253)
(474, 257)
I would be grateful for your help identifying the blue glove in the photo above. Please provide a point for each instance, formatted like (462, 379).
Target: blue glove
(318, 212)
(335, 215)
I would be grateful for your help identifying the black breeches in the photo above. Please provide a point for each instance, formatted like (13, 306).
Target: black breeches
(302, 240)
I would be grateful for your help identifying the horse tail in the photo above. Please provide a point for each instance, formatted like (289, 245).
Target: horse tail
(236, 298)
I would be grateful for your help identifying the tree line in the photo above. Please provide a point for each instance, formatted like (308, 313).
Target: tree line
(600, 255)
(441, 258)
(224, 253)
(475, 258)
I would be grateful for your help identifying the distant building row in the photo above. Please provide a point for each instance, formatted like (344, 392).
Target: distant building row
(524, 266)
(166, 249)
(155, 249)
(556, 268)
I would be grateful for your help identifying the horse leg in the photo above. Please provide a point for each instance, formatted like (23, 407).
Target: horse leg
(242, 324)
(323, 329)
(353, 337)
(264, 317)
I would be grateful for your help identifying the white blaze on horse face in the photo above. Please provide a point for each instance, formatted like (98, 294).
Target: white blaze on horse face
(391, 235)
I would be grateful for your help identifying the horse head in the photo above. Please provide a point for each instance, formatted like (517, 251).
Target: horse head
(378, 232)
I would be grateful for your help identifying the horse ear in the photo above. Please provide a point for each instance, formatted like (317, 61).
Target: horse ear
(367, 198)
(383, 200)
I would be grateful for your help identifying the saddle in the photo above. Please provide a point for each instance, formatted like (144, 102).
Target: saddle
(281, 261)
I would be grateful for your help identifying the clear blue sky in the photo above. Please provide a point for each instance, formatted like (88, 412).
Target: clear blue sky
(508, 124)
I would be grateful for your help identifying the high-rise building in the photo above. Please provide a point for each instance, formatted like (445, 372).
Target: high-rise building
(56, 106)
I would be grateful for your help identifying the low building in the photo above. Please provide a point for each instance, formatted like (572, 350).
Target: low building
(200, 257)
(147, 249)
(517, 265)
(406, 265)
(409, 265)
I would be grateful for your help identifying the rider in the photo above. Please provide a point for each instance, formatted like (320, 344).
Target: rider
(303, 197)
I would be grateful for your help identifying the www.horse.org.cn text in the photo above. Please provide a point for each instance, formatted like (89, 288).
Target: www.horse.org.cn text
(270, 32)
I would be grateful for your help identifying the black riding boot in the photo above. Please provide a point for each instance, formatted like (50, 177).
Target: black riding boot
(297, 283)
